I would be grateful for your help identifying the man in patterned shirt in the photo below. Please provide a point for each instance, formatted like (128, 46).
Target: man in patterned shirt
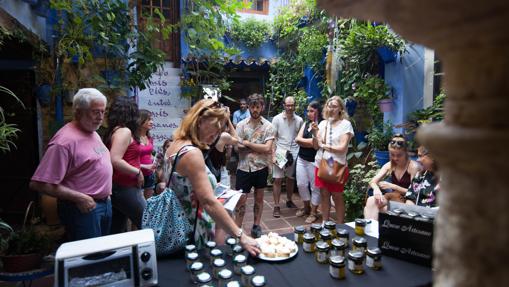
(256, 135)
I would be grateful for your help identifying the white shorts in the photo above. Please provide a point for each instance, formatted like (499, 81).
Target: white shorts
(285, 172)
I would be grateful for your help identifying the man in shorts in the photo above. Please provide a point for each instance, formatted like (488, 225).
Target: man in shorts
(255, 148)
(286, 127)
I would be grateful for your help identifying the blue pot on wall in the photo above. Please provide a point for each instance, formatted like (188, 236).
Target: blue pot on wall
(360, 136)
(382, 157)
(350, 105)
(43, 94)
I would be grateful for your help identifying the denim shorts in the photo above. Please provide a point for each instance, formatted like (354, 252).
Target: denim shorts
(150, 181)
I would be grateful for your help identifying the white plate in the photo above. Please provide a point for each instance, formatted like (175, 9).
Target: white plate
(263, 257)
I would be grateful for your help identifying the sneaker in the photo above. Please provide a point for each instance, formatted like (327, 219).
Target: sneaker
(290, 204)
(302, 212)
(277, 212)
(256, 231)
(311, 218)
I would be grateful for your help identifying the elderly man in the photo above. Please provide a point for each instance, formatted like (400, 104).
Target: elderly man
(76, 169)
(286, 127)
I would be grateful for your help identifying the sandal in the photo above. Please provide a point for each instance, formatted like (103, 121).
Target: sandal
(311, 218)
(301, 212)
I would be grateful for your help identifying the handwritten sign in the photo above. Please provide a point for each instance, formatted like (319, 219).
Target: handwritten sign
(162, 99)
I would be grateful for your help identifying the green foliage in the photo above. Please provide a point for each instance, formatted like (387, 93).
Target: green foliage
(311, 47)
(356, 188)
(433, 113)
(8, 132)
(380, 136)
(284, 77)
(251, 32)
(25, 241)
(288, 17)
(370, 91)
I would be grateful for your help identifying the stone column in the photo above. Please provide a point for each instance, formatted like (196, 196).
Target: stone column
(471, 244)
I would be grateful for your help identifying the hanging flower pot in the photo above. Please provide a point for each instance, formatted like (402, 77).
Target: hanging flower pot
(385, 105)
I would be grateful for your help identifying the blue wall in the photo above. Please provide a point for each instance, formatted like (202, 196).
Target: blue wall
(406, 76)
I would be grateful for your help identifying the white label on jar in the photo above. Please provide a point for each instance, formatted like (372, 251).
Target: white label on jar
(334, 252)
(334, 271)
(322, 256)
(296, 237)
(307, 247)
(370, 262)
(351, 265)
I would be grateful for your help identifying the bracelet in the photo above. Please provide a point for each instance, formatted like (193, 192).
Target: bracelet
(239, 234)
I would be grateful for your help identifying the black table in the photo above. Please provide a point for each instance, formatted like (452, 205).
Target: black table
(303, 270)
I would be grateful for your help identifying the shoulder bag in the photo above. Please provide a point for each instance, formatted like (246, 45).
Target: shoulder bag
(330, 170)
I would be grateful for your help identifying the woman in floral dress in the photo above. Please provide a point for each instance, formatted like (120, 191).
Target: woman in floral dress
(425, 185)
(193, 183)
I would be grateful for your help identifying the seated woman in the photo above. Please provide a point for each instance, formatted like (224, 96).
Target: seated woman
(401, 170)
(192, 181)
(425, 185)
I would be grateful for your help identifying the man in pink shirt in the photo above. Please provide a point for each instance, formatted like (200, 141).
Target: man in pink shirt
(76, 169)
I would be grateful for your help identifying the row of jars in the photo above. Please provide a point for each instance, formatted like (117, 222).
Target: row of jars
(333, 249)
(196, 266)
(329, 231)
(411, 215)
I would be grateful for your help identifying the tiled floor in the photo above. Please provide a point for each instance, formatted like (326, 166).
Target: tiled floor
(281, 225)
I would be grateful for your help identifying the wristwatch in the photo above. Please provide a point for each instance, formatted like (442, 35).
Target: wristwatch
(239, 234)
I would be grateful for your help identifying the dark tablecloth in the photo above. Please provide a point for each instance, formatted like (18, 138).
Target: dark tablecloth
(303, 270)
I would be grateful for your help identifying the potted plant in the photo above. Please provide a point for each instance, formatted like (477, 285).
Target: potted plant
(378, 139)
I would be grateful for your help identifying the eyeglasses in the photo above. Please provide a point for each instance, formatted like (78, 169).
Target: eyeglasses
(397, 143)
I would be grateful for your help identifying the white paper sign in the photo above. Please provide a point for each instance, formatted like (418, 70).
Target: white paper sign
(162, 99)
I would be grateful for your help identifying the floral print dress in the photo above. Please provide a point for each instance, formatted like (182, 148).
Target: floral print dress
(423, 190)
(205, 226)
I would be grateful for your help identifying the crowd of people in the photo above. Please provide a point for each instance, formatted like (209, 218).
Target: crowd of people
(100, 183)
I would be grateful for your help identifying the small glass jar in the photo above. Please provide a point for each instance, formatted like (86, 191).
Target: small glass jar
(190, 248)
(374, 258)
(309, 243)
(343, 235)
(224, 276)
(338, 248)
(359, 244)
(325, 236)
(331, 226)
(398, 211)
(208, 247)
(246, 273)
(196, 268)
(191, 258)
(315, 228)
(322, 252)
(237, 250)
(423, 218)
(298, 234)
(203, 278)
(230, 242)
(258, 281)
(238, 262)
(233, 283)
(360, 226)
(215, 254)
(337, 267)
(218, 265)
(356, 262)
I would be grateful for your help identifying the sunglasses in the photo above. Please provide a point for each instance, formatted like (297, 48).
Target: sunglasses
(214, 105)
(397, 143)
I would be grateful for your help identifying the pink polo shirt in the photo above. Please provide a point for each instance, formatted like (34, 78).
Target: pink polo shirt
(77, 160)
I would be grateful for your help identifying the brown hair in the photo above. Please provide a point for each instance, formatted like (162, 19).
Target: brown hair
(204, 109)
(326, 113)
(402, 147)
(255, 99)
(145, 115)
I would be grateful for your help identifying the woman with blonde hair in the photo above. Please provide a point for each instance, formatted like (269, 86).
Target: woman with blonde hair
(331, 138)
(192, 181)
(400, 169)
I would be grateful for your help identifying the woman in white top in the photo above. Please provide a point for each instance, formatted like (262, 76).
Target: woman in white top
(331, 138)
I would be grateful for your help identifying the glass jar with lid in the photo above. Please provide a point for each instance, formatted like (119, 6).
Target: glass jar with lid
(215, 254)
(238, 262)
(325, 236)
(204, 278)
(343, 235)
(224, 276)
(208, 247)
(322, 252)
(230, 242)
(218, 265)
(359, 244)
(309, 243)
(337, 267)
(190, 248)
(356, 262)
(360, 226)
(196, 268)
(233, 283)
(374, 258)
(246, 273)
(237, 249)
(298, 234)
(191, 258)
(331, 227)
(315, 228)
(338, 248)
(258, 281)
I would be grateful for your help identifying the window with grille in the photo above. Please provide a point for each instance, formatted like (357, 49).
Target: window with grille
(170, 10)
(257, 7)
